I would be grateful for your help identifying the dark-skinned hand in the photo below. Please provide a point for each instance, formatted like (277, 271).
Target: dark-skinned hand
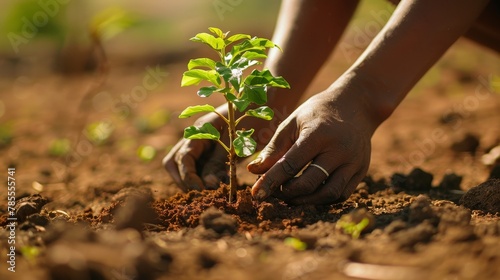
(331, 129)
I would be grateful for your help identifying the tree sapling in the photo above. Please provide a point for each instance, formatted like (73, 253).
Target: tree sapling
(226, 77)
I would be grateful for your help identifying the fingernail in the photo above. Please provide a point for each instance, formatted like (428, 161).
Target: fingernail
(256, 161)
(261, 194)
(211, 180)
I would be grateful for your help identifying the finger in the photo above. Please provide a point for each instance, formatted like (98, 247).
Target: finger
(215, 169)
(186, 158)
(171, 166)
(342, 179)
(285, 168)
(274, 151)
(311, 179)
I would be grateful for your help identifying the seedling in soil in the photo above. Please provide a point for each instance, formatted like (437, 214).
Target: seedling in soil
(352, 228)
(99, 132)
(6, 134)
(146, 153)
(60, 147)
(226, 78)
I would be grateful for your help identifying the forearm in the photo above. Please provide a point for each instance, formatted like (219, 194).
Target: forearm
(307, 31)
(416, 36)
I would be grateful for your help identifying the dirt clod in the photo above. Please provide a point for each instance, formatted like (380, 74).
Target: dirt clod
(485, 197)
(29, 205)
(421, 210)
(417, 179)
(450, 181)
(467, 144)
(218, 221)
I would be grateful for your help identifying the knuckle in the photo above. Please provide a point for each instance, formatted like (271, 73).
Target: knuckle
(333, 193)
(307, 184)
(289, 167)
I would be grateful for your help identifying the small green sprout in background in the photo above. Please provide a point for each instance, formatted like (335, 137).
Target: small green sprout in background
(226, 78)
(152, 122)
(356, 222)
(111, 21)
(352, 228)
(59, 147)
(6, 134)
(99, 132)
(295, 243)
(146, 153)
(30, 253)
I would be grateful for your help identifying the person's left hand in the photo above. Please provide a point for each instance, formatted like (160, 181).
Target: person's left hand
(332, 130)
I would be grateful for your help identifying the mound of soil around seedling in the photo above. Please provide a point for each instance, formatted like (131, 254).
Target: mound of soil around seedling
(185, 210)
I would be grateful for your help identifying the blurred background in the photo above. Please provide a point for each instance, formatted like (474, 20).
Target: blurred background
(59, 109)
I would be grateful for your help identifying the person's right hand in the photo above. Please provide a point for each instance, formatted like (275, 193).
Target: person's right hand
(332, 130)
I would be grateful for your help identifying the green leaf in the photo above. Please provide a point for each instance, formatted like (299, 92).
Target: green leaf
(263, 112)
(193, 110)
(243, 63)
(206, 131)
(241, 104)
(223, 71)
(254, 44)
(232, 76)
(237, 37)
(244, 146)
(206, 91)
(262, 42)
(256, 94)
(255, 54)
(195, 76)
(265, 78)
(217, 32)
(245, 133)
(215, 43)
(201, 62)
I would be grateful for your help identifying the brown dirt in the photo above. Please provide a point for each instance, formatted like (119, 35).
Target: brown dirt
(118, 217)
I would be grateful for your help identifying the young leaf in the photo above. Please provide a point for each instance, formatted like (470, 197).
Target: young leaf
(244, 146)
(206, 91)
(195, 76)
(245, 133)
(193, 110)
(243, 63)
(263, 112)
(255, 54)
(237, 37)
(201, 62)
(206, 131)
(217, 32)
(265, 78)
(215, 43)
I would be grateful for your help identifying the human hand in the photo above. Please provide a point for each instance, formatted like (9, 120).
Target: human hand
(199, 164)
(332, 130)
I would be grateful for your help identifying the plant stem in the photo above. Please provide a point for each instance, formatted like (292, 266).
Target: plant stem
(233, 184)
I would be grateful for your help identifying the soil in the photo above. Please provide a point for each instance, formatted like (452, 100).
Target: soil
(430, 206)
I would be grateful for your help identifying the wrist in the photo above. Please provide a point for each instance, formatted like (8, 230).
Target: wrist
(378, 97)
